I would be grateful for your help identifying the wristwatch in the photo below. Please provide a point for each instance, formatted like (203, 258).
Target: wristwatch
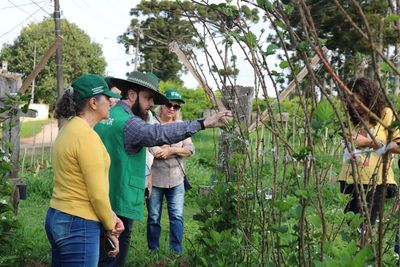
(201, 121)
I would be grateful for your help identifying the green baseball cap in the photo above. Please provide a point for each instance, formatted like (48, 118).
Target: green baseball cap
(136, 80)
(172, 94)
(88, 85)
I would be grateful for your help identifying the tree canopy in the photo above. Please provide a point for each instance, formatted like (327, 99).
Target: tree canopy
(336, 31)
(80, 55)
(155, 24)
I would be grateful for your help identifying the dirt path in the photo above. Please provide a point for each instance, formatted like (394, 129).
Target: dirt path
(45, 137)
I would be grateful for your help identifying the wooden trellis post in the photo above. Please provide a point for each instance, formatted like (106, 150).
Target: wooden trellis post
(9, 85)
(239, 100)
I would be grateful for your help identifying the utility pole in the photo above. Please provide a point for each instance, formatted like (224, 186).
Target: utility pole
(59, 63)
(33, 82)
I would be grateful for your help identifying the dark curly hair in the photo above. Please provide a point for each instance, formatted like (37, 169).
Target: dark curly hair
(370, 95)
(67, 107)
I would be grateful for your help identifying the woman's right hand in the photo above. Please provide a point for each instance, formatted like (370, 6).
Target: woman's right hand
(114, 239)
(119, 226)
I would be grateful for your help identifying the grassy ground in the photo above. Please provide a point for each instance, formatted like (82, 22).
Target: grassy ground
(32, 246)
(32, 243)
(32, 237)
(31, 128)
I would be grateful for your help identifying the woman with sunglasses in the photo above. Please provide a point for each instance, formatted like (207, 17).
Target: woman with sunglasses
(168, 171)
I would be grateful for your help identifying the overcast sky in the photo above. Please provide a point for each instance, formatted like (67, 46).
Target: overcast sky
(102, 20)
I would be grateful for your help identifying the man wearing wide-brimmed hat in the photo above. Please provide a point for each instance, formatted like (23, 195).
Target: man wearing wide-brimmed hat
(125, 134)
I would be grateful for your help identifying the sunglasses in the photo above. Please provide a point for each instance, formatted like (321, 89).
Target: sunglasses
(170, 105)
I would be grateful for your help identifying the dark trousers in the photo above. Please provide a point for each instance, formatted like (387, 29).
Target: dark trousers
(124, 242)
(373, 199)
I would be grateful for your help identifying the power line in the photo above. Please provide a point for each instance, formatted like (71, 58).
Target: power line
(26, 12)
(96, 15)
(31, 15)
(37, 4)
(21, 5)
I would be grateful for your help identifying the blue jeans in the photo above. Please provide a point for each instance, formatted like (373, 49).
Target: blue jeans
(74, 241)
(124, 242)
(175, 200)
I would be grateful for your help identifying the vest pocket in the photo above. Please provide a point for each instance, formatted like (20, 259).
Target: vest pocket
(137, 182)
(135, 197)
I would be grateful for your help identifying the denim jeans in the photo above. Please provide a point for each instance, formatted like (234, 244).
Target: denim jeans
(124, 242)
(74, 241)
(175, 200)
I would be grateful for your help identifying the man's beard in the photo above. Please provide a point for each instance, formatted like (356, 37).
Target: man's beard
(136, 110)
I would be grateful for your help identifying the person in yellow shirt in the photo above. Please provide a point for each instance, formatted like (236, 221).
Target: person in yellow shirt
(370, 138)
(80, 204)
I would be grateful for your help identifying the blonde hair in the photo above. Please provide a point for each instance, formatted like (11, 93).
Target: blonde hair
(177, 117)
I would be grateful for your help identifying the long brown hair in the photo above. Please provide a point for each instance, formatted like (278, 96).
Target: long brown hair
(370, 95)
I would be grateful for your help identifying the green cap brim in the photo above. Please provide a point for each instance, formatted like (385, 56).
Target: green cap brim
(177, 100)
(111, 94)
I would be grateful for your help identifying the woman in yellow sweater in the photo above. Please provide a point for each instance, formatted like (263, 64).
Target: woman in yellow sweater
(80, 205)
(369, 135)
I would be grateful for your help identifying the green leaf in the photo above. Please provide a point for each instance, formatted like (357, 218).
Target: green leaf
(288, 8)
(301, 193)
(278, 229)
(280, 24)
(315, 220)
(285, 204)
(392, 18)
(303, 46)
(284, 64)
(366, 255)
(261, 3)
(386, 68)
(251, 40)
(265, 4)
(323, 115)
(356, 221)
(302, 153)
(215, 235)
(275, 73)
(395, 124)
(323, 41)
(270, 49)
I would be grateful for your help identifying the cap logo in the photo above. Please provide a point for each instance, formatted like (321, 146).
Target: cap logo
(98, 89)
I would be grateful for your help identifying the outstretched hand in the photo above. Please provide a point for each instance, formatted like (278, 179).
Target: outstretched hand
(218, 120)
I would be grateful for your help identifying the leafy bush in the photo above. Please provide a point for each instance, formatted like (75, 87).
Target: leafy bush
(8, 222)
(218, 241)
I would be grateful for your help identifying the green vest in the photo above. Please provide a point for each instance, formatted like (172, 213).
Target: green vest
(127, 172)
